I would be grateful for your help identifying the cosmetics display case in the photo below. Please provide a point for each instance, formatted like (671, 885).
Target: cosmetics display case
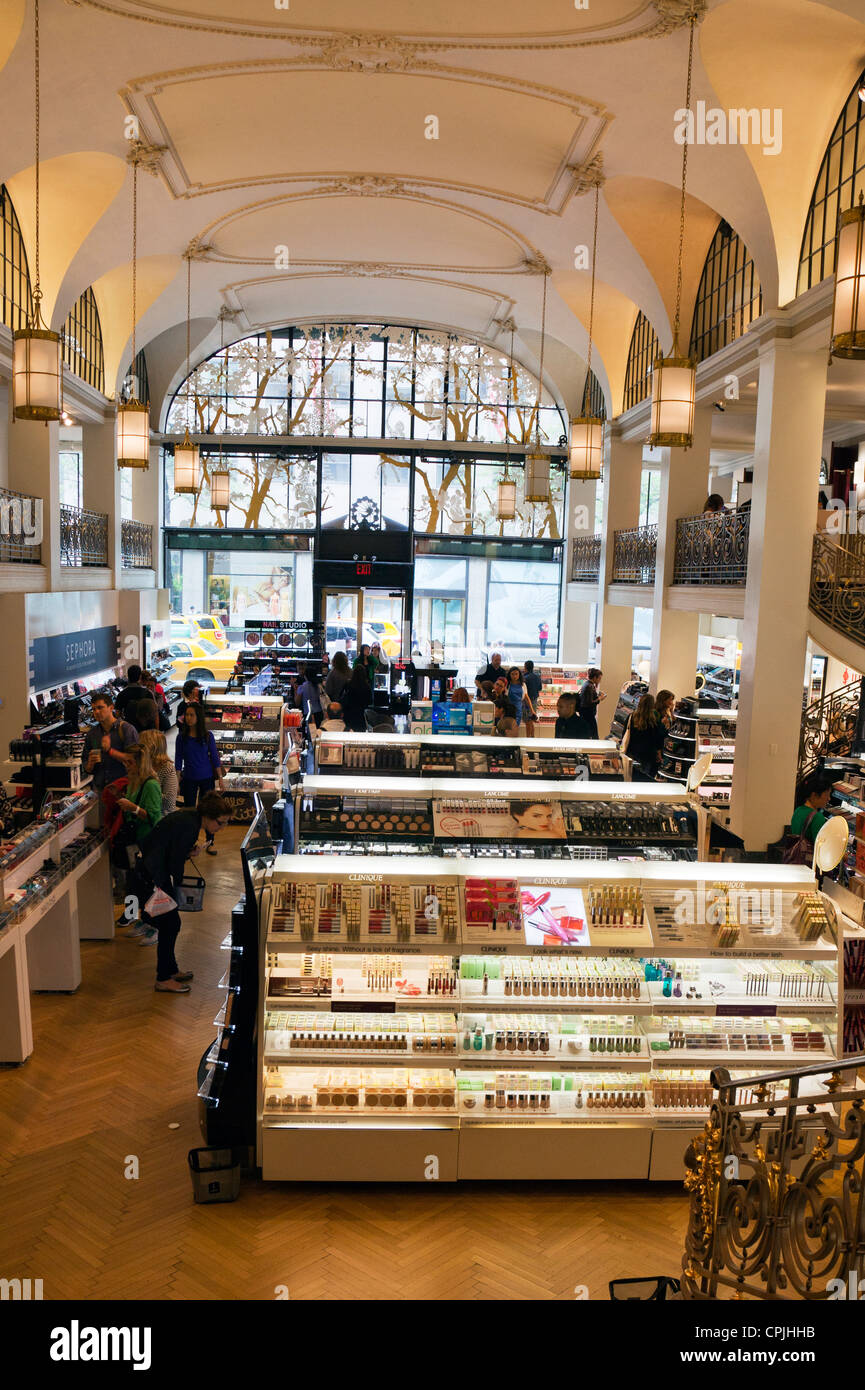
(283, 646)
(55, 891)
(248, 731)
(464, 755)
(693, 733)
(457, 818)
(629, 698)
(427, 1017)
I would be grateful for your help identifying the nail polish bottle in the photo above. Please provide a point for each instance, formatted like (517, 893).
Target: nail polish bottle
(667, 987)
(677, 988)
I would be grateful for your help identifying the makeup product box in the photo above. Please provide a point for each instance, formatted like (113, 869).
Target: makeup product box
(448, 716)
(483, 716)
(417, 727)
(421, 711)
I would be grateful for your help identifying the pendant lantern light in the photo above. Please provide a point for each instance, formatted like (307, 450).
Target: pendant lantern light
(187, 456)
(37, 353)
(586, 441)
(506, 501)
(848, 309)
(537, 463)
(220, 488)
(674, 378)
(132, 422)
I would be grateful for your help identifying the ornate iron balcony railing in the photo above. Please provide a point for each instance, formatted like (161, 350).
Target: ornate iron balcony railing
(585, 559)
(838, 584)
(83, 537)
(776, 1182)
(712, 549)
(828, 728)
(136, 545)
(20, 528)
(634, 555)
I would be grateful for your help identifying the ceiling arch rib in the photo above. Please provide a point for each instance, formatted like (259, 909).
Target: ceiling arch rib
(75, 190)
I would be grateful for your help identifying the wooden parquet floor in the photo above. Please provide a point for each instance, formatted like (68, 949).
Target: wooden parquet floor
(114, 1067)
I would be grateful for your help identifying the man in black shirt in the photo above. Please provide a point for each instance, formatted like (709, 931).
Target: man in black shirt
(164, 853)
(130, 695)
(569, 723)
(491, 671)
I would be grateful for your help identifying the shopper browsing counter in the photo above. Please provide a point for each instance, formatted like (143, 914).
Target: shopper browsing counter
(106, 744)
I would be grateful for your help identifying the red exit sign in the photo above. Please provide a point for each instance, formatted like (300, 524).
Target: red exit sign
(364, 568)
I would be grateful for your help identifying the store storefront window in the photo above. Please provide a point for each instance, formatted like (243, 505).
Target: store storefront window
(521, 596)
(237, 585)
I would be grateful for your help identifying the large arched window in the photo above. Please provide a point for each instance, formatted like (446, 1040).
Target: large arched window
(82, 341)
(361, 381)
(729, 297)
(644, 348)
(593, 399)
(15, 296)
(841, 175)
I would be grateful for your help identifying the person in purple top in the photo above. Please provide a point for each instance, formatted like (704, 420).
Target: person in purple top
(196, 758)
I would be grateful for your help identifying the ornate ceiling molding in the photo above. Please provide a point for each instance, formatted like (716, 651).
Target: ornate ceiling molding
(591, 122)
(588, 176)
(501, 305)
(676, 14)
(374, 52)
(524, 249)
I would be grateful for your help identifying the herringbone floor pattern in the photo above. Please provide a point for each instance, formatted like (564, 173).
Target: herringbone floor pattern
(114, 1066)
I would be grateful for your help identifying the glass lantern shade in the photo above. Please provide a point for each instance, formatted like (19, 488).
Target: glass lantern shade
(586, 448)
(187, 467)
(848, 310)
(37, 366)
(220, 490)
(506, 503)
(132, 435)
(537, 478)
(674, 391)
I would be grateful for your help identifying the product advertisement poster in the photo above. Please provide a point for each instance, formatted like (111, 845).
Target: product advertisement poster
(554, 916)
(506, 820)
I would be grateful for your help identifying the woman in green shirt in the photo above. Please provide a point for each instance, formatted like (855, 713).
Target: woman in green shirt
(808, 817)
(142, 804)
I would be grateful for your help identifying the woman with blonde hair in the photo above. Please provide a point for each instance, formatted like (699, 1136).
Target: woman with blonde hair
(142, 804)
(163, 767)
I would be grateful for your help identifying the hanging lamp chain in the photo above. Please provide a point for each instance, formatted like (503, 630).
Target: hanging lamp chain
(592, 299)
(511, 379)
(37, 289)
(541, 370)
(134, 270)
(692, 25)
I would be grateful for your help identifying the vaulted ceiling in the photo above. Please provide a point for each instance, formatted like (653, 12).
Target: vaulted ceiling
(419, 168)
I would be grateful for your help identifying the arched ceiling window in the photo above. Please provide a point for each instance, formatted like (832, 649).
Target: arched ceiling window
(593, 399)
(841, 175)
(82, 341)
(729, 297)
(15, 297)
(644, 348)
(361, 381)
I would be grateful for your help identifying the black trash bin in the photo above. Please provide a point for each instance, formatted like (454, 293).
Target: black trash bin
(215, 1175)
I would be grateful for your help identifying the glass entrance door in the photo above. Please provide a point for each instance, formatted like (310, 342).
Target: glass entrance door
(356, 616)
(341, 623)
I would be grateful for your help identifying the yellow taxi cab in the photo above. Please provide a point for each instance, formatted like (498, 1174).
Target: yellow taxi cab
(386, 634)
(198, 627)
(201, 660)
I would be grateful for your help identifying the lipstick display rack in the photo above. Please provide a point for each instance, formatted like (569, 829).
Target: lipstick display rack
(521, 1024)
